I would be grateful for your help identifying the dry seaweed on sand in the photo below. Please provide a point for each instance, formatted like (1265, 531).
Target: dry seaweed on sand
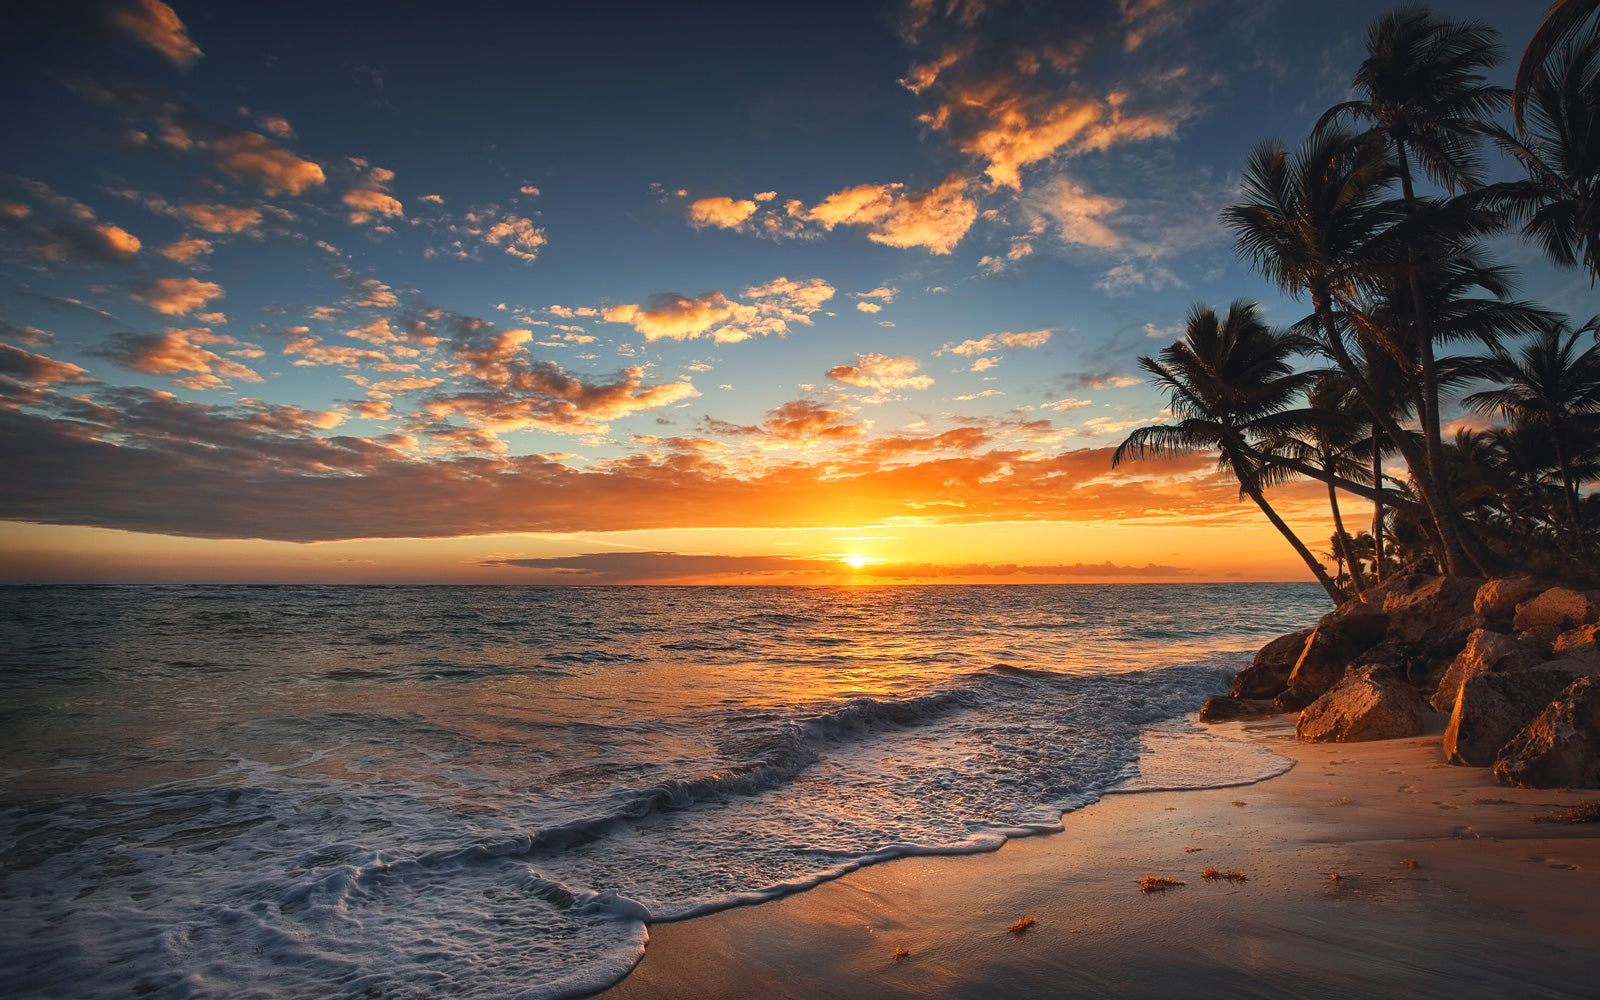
(1021, 926)
(1228, 874)
(900, 954)
(1583, 812)
(1157, 883)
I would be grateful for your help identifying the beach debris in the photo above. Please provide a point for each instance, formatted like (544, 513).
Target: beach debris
(1583, 812)
(1239, 803)
(1211, 875)
(1021, 926)
(1191, 850)
(900, 954)
(1157, 883)
(1490, 800)
(1410, 863)
(1343, 800)
(1333, 876)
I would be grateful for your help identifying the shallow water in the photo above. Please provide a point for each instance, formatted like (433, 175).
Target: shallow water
(487, 792)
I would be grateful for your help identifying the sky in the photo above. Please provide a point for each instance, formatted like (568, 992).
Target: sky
(637, 293)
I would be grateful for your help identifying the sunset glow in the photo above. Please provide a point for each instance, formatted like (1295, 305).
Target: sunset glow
(528, 294)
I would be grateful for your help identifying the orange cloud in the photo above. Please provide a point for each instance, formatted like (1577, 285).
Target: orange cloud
(178, 350)
(185, 251)
(221, 218)
(881, 373)
(767, 309)
(968, 348)
(545, 397)
(156, 25)
(935, 220)
(85, 243)
(176, 296)
(254, 157)
(370, 199)
(720, 211)
(36, 370)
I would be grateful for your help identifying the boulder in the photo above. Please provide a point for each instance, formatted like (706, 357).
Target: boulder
(1370, 703)
(1338, 639)
(1430, 606)
(1559, 606)
(1581, 641)
(1494, 707)
(1560, 748)
(1541, 638)
(1223, 708)
(1268, 674)
(1499, 598)
(1484, 652)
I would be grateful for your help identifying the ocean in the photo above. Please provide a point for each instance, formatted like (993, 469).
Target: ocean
(490, 792)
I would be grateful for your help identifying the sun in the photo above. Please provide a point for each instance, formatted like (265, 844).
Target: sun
(855, 561)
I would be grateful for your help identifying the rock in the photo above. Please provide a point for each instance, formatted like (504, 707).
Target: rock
(1560, 748)
(1581, 641)
(1223, 708)
(1368, 704)
(1431, 605)
(1559, 606)
(1499, 598)
(1268, 674)
(1494, 707)
(1541, 638)
(1334, 644)
(1485, 651)
(1289, 701)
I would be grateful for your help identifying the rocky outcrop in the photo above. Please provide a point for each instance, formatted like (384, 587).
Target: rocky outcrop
(1494, 707)
(1499, 598)
(1484, 652)
(1430, 607)
(1225, 708)
(1268, 674)
(1334, 644)
(1370, 703)
(1583, 641)
(1560, 748)
(1560, 607)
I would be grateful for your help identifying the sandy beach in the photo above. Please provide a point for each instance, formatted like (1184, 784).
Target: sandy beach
(1444, 887)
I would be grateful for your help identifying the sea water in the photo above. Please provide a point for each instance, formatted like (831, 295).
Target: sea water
(488, 792)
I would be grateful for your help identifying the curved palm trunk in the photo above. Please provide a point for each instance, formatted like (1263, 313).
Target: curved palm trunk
(1569, 493)
(1334, 593)
(1377, 506)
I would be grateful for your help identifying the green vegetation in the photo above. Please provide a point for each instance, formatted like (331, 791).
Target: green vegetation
(1408, 311)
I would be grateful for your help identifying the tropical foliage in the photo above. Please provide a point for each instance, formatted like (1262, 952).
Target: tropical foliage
(1410, 314)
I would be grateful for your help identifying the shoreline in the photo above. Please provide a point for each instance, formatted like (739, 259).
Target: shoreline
(1445, 888)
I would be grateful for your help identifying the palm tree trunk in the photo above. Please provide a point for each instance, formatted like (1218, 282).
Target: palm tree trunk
(1569, 493)
(1334, 593)
(1342, 541)
(1377, 505)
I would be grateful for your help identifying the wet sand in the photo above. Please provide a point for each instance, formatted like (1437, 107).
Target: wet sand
(1445, 888)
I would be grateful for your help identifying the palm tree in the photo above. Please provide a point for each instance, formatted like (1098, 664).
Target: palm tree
(1310, 223)
(1562, 21)
(1231, 387)
(1558, 145)
(1552, 387)
(1425, 97)
(1334, 426)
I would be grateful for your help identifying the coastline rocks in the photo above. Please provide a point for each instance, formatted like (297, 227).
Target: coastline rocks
(1560, 748)
(1499, 597)
(1559, 606)
(1226, 708)
(1484, 652)
(1583, 641)
(1337, 640)
(1494, 707)
(1368, 704)
(1430, 607)
(1268, 674)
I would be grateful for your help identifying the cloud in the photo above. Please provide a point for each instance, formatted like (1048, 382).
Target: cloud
(968, 348)
(176, 351)
(156, 25)
(1099, 380)
(1090, 570)
(935, 220)
(84, 243)
(1078, 212)
(720, 211)
(765, 310)
(30, 335)
(369, 198)
(17, 365)
(176, 296)
(881, 373)
(803, 420)
(185, 251)
(221, 218)
(518, 237)
(480, 227)
(253, 157)
(277, 125)
(542, 396)
(642, 567)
